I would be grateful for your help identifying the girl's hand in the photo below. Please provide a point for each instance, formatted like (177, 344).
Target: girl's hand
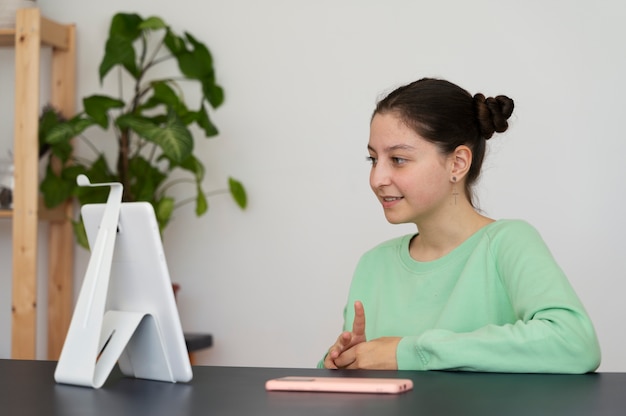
(378, 354)
(347, 339)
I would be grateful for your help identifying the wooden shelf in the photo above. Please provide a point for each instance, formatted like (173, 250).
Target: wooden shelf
(52, 34)
(44, 213)
(31, 33)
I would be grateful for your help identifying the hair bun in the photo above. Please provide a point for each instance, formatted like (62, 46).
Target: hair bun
(493, 113)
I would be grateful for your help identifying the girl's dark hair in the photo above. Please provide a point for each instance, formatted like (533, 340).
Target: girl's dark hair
(448, 116)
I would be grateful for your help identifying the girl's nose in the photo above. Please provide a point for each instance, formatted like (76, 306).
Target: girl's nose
(379, 176)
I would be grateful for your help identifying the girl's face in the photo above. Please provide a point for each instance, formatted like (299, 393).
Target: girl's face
(409, 175)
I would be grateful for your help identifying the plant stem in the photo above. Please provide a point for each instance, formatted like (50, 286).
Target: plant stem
(209, 194)
(153, 59)
(89, 144)
(168, 185)
(122, 163)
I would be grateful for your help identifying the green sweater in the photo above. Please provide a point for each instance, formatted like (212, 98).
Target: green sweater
(498, 302)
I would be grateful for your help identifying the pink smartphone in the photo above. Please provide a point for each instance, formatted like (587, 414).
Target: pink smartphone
(340, 384)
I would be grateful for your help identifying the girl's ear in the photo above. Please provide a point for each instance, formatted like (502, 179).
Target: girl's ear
(461, 161)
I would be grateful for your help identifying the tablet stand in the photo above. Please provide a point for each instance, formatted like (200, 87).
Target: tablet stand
(97, 338)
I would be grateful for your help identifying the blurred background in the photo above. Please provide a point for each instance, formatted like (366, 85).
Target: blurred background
(301, 79)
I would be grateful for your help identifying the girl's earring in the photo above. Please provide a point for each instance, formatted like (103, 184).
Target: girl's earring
(455, 192)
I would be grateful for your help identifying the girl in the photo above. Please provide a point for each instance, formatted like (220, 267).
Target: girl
(465, 292)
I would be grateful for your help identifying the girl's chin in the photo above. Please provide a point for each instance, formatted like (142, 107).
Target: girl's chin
(394, 219)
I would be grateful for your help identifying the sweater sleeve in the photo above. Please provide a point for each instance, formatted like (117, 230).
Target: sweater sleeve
(553, 333)
(554, 343)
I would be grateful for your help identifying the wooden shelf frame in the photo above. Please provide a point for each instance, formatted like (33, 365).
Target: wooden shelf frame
(31, 33)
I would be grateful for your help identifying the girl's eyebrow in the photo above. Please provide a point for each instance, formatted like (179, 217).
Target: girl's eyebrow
(400, 147)
(393, 147)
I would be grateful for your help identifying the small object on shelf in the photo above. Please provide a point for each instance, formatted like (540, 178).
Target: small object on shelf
(6, 184)
(197, 341)
(8, 8)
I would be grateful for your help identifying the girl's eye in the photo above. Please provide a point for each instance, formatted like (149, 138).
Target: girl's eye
(372, 160)
(398, 160)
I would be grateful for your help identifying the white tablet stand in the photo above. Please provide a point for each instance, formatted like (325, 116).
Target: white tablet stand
(97, 338)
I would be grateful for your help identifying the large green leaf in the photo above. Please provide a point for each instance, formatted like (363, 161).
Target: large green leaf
(98, 106)
(146, 179)
(119, 49)
(80, 233)
(213, 92)
(49, 118)
(163, 210)
(193, 165)
(203, 120)
(238, 192)
(97, 172)
(202, 205)
(152, 23)
(126, 25)
(195, 62)
(163, 94)
(59, 136)
(174, 43)
(57, 189)
(172, 137)
(63, 151)
(66, 131)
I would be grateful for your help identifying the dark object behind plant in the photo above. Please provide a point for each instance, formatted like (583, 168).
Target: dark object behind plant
(151, 127)
(6, 198)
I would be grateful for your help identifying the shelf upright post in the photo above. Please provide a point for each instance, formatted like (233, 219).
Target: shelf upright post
(25, 198)
(60, 231)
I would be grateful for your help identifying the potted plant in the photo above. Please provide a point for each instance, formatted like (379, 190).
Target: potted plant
(150, 123)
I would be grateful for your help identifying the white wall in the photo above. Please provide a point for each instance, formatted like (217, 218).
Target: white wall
(301, 79)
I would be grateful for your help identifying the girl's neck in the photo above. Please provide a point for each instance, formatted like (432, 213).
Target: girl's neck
(436, 239)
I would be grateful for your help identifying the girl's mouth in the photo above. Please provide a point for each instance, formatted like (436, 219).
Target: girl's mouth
(389, 201)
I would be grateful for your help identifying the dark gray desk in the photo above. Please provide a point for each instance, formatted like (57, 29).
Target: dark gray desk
(28, 388)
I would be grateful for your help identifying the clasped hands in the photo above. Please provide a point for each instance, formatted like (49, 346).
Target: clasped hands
(353, 351)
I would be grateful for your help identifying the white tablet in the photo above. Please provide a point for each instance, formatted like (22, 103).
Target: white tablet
(140, 282)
